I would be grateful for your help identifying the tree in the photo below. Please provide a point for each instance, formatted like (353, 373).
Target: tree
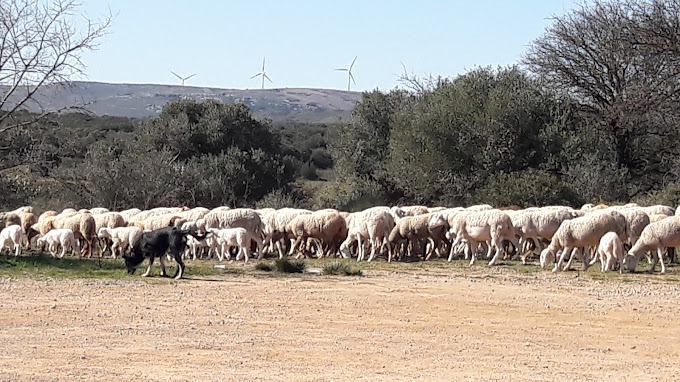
(41, 44)
(620, 61)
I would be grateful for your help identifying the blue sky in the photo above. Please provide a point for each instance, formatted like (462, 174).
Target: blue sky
(224, 41)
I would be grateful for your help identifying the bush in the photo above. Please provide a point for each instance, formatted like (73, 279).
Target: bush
(527, 188)
(287, 266)
(263, 267)
(308, 171)
(668, 196)
(338, 268)
(321, 159)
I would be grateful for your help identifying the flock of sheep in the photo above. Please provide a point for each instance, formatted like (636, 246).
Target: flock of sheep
(617, 236)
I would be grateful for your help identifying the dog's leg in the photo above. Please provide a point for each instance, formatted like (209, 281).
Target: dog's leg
(180, 264)
(162, 260)
(148, 270)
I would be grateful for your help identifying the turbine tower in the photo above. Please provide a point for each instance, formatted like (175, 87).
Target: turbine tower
(263, 73)
(350, 77)
(182, 78)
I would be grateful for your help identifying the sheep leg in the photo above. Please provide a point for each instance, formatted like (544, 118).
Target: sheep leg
(246, 252)
(495, 243)
(260, 250)
(572, 257)
(659, 252)
(431, 249)
(560, 260)
(473, 255)
(585, 253)
(63, 250)
(360, 249)
(453, 247)
(280, 249)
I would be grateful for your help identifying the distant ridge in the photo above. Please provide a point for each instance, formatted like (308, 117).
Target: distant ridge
(146, 100)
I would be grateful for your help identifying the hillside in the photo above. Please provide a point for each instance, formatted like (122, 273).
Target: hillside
(146, 100)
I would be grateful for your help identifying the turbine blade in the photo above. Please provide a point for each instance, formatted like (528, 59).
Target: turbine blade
(263, 64)
(258, 74)
(355, 60)
(352, 77)
(186, 78)
(176, 75)
(344, 70)
(267, 77)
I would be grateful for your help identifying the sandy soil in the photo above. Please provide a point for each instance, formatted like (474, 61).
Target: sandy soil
(377, 327)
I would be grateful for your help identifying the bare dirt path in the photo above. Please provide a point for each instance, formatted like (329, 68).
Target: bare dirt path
(378, 327)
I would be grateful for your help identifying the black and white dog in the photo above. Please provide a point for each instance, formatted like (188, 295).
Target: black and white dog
(154, 244)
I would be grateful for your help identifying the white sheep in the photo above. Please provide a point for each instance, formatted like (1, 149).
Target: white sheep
(656, 236)
(59, 237)
(491, 226)
(539, 224)
(274, 224)
(659, 209)
(582, 232)
(123, 238)
(245, 218)
(610, 252)
(374, 225)
(194, 246)
(11, 238)
(234, 237)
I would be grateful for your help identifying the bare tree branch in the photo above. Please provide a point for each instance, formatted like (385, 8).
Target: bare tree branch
(41, 44)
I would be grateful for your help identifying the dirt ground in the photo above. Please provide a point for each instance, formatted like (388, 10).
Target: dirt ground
(385, 326)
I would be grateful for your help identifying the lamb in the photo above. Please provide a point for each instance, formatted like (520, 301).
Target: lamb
(195, 245)
(123, 238)
(234, 237)
(493, 226)
(108, 220)
(99, 210)
(656, 236)
(610, 252)
(82, 225)
(233, 218)
(374, 225)
(328, 227)
(11, 238)
(584, 231)
(59, 237)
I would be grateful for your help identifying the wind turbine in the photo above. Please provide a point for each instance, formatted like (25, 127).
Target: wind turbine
(263, 73)
(350, 77)
(182, 78)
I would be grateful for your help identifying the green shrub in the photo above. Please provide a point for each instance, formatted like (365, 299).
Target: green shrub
(287, 266)
(338, 268)
(308, 171)
(263, 267)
